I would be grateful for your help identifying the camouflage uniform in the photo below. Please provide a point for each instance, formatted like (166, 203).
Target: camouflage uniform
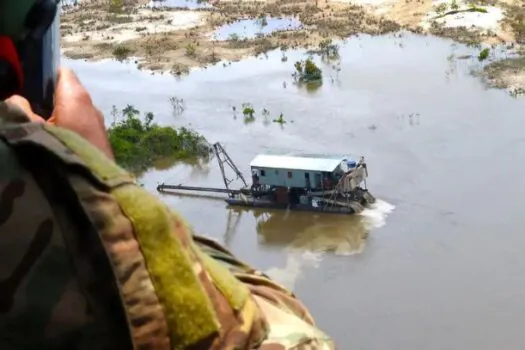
(90, 260)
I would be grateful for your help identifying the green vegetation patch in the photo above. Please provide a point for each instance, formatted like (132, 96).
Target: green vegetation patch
(484, 54)
(307, 71)
(139, 143)
(121, 52)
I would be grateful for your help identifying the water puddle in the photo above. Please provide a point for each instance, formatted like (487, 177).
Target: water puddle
(253, 28)
(181, 4)
(67, 5)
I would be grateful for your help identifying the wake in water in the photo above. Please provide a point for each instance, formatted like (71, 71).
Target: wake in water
(333, 236)
(375, 216)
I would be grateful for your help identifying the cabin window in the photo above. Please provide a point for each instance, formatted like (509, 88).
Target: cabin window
(263, 173)
(307, 175)
(276, 172)
(290, 174)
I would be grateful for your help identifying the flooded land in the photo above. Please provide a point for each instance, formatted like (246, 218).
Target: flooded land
(176, 35)
(436, 263)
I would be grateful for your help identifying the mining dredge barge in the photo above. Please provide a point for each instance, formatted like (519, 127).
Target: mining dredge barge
(307, 183)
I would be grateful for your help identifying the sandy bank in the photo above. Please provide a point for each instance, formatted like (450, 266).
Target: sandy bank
(134, 26)
(178, 39)
(510, 73)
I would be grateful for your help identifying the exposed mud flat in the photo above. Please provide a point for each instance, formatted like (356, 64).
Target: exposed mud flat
(510, 73)
(176, 39)
(176, 35)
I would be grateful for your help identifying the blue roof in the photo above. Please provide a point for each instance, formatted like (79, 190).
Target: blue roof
(311, 163)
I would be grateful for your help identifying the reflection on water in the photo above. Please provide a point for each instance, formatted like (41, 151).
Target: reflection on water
(232, 224)
(318, 232)
(199, 167)
(307, 237)
(342, 234)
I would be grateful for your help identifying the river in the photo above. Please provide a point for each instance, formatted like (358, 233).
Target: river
(437, 263)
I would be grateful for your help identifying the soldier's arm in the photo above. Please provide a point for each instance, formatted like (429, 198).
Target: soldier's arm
(173, 288)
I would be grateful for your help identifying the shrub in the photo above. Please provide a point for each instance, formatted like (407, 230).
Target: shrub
(307, 71)
(484, 54)
(138, 144)
(121, 52)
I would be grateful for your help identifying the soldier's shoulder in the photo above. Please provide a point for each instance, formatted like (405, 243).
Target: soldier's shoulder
(289, 323)
(288, 331)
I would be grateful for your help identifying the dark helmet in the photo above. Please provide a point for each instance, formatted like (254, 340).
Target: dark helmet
(29, 49)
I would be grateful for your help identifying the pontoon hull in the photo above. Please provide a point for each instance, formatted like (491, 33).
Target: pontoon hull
(349, 207)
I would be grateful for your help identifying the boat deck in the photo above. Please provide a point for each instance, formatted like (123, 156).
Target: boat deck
(315, 184)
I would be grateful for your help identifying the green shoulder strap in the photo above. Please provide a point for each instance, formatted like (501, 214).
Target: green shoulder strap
(188, 310)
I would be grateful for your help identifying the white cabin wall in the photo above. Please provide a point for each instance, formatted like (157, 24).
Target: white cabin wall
(279, 177)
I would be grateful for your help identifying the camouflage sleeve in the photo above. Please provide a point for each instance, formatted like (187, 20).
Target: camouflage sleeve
(42, 300)
(291, 325)
(138, 274)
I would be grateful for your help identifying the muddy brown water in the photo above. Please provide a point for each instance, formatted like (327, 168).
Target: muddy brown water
(438, 263)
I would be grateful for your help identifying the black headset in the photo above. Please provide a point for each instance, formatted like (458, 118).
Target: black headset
(30, 52)
(40, 17)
